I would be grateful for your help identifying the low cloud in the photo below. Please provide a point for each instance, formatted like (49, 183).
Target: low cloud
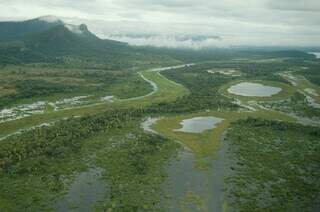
(251, 22)
(171, 41)
(296, 5)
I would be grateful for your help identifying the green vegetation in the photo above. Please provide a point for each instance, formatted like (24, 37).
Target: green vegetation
(304, 85)
(205, 145)
(203, 88)
(231, 55)
(276, 166)
(30, 84)
(33, 88)
(37, 41)
(135, 170)
(56, 140)
(312, 73)
(275, 161)
(44, 162)
(205, 96)
(297, 104)
(167, 91)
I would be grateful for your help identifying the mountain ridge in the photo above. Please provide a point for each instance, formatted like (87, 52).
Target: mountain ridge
(48, 39)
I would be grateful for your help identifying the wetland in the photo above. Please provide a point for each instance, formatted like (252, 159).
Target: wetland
(176, 138)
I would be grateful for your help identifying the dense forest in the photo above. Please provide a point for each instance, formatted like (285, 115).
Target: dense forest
(276, 166)
(135, 163)
(312, 73)
(57, 140)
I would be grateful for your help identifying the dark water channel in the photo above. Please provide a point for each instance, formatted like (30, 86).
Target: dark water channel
(205, 185)
(84, 192)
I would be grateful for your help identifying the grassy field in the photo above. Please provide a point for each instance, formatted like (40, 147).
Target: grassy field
(205, 145)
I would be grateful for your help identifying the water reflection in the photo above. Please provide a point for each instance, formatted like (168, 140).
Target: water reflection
(199, 124)
(191, 189)
(253, 89)
(84, 192)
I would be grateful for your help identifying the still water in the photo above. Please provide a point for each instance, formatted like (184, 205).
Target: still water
(199, 124)
(84, 192)
(186, 183)
(253, 89)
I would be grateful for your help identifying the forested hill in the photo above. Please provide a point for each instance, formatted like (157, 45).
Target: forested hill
(10, 31)
(50, 40)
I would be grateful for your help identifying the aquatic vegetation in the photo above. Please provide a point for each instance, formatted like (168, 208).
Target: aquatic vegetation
(135, 170)
(21, 111)
(297, 104)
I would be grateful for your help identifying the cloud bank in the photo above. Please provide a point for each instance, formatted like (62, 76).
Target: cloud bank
(234, 22)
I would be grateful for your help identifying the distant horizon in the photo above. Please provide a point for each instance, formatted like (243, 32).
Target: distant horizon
(183, 41)
(162, 39)
(263, 23)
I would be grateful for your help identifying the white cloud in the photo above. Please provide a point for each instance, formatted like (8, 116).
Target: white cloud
(169, 41)
(250, 22)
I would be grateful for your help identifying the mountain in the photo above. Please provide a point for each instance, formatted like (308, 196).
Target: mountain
(64, 40)
(10, 31)
(49, 35)
(50, 40)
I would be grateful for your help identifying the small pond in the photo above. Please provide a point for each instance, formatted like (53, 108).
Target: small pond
(199, 124)
(253, 89)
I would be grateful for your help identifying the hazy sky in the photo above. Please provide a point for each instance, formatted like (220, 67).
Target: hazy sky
(237, 22)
